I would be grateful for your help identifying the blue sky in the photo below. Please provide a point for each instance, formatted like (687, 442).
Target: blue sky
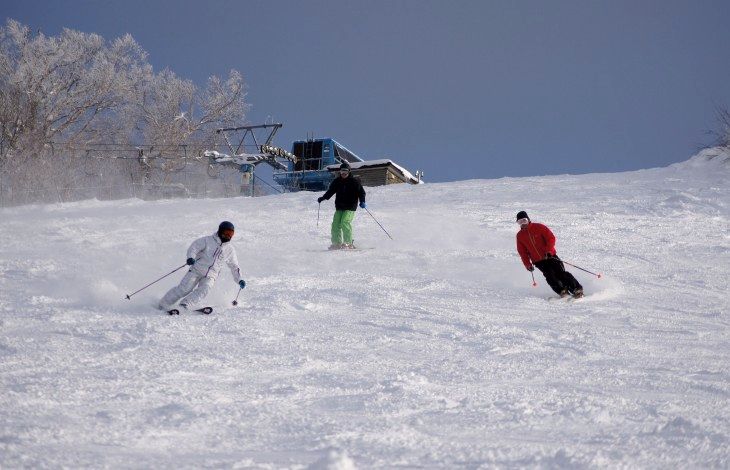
(460, 90)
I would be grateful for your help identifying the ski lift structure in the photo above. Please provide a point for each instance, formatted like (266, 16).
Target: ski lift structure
(311, 165)
(246, 151)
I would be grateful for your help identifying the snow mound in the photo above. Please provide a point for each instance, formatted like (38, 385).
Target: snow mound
(717, 158)
(334, 460)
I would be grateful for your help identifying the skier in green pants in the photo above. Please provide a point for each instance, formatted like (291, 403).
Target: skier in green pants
(348, 191)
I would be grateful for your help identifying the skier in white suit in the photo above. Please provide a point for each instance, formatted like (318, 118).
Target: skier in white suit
(206, 257)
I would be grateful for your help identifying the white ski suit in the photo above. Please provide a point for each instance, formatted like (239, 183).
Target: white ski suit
(209, 255)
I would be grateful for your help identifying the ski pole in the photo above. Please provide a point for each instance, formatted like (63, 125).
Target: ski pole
(534, 284)
(145, 287)
(578, 267)
(235, 302)
(376, 221)
(319, 205)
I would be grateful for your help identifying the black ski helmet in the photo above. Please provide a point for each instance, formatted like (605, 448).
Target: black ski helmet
(345, 166)
(522, 215)
(225, 225)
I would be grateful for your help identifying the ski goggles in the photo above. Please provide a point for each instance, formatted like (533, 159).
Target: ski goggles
(523, 221)
(344, 172)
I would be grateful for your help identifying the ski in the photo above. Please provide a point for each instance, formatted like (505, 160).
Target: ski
(205, 310)
(567, 298)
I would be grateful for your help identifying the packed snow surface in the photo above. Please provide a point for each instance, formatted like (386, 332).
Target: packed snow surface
(431, 350)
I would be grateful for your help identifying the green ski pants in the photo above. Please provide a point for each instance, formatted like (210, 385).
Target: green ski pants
(342, 227)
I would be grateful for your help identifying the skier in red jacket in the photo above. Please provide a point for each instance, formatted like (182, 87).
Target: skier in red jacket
(536, 245)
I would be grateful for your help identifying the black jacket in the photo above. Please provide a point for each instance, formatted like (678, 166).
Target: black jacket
(348, 191)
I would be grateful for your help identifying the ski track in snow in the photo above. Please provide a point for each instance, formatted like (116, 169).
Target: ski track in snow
(432, 350)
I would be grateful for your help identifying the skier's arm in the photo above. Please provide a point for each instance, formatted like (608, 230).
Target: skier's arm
(332, 190)
(196, 248)
(549, 239)
(524, 255)
(362, 194)
(233, 265)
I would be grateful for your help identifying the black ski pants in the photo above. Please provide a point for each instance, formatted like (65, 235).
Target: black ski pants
(556, 276)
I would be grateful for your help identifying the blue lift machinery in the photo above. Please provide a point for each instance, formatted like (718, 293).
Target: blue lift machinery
(310, 166)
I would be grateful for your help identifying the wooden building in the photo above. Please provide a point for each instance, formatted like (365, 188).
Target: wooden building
(378, 172)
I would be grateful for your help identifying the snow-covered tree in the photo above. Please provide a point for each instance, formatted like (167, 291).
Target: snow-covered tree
(61, 93)
(60, 96)
(173, 111)
(65, 88)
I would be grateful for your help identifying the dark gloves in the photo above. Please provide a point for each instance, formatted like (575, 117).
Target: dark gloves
(363, 205)
(531, 268)
(190, 261)
(242, 283)
(548, 255)
(320, 199)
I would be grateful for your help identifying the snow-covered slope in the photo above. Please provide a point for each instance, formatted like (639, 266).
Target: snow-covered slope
(432, 350)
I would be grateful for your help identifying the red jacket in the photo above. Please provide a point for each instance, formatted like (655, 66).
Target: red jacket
(534, 242)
